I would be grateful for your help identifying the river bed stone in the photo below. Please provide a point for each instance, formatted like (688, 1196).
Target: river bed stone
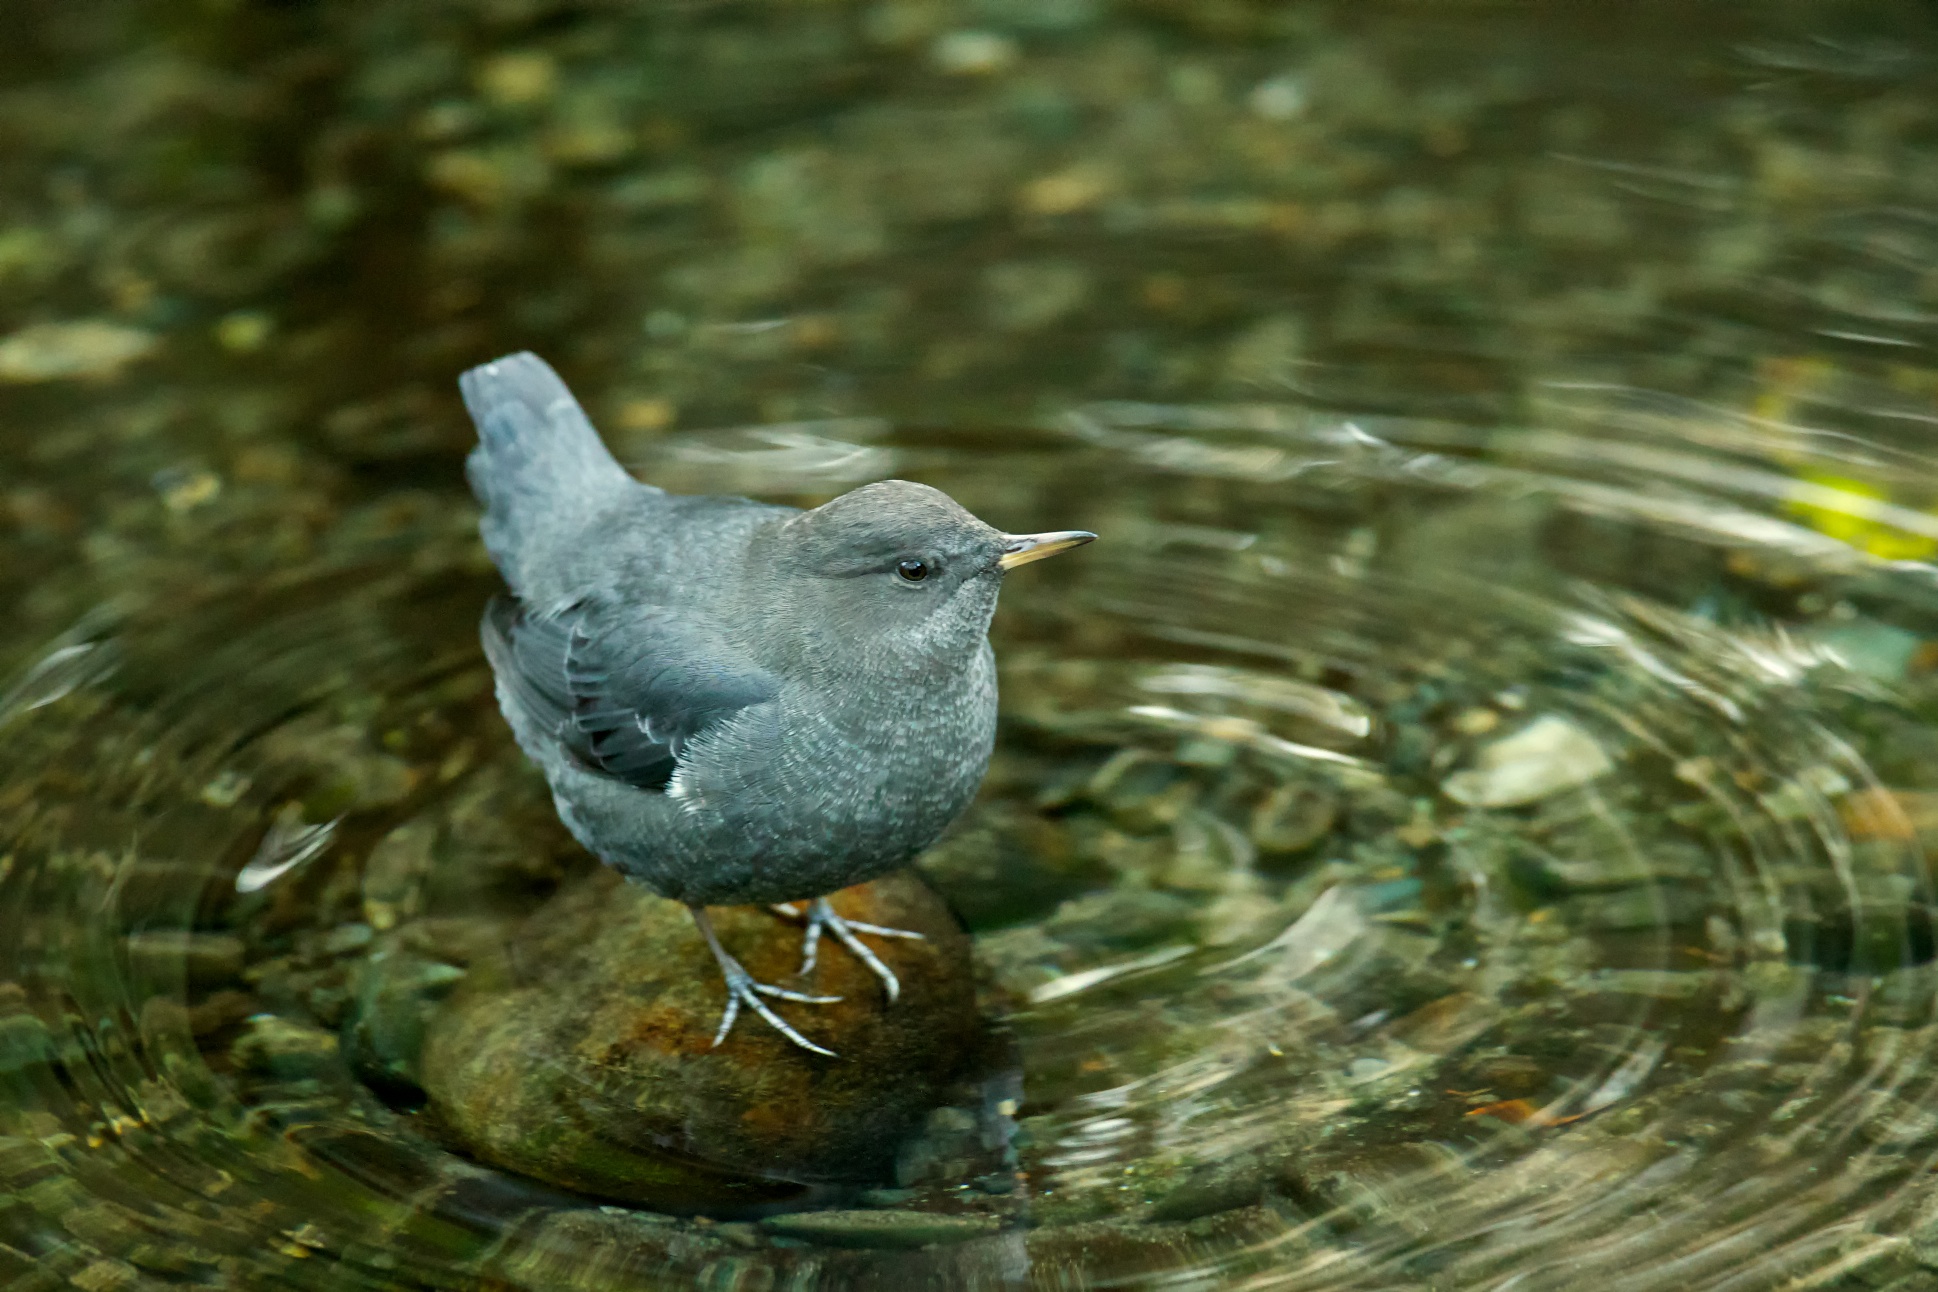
(583, 1054)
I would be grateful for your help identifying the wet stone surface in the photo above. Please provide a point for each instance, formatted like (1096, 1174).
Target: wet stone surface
(582, 1053)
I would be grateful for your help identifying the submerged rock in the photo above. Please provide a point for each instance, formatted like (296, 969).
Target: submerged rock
(86, 349)
(394, 993)
(1293, 817)
(584, 1054)
(890, 1228)
(1549, 755)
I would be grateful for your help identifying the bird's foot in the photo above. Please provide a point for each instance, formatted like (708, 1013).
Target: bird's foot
(743, 990)
(820, 915)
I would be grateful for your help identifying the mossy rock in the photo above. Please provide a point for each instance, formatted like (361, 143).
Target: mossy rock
(583, 1055)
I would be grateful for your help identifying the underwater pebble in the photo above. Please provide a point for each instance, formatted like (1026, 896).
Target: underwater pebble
(1066, 191)
(1240, 914)
(894, 1229)
(285, 1049)
(1652, 984)
(1648, 906)
(1279, 99)
(1141, 791)
(1121, 919)
(244, 331)
(204, 957)
(1026, 295)
(973, 53)
(396, 872)
(394, 995)
(518, 78)
(1217, 1187)
(1000, 865)
(606, 1249)
(89, 349)
(1890, 1122)
(1444, 1025)
(1882, 651)
(1207, 853)
(1292, 818)
(347, 937)
(1924, 1235)
(1384, 1184)
(24, 1042)
(1598, 870)
(1549, 755)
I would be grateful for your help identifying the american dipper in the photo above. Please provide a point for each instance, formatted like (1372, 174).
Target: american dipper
(735, 702)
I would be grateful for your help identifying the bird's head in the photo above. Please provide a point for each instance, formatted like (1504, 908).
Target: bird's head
(902, 573)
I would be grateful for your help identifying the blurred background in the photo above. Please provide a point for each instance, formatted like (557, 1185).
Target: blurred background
(1466, 826)
(247, 246)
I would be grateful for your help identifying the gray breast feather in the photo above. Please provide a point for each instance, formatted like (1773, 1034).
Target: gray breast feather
(624, 690)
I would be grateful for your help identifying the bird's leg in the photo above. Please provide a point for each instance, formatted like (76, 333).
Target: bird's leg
(820, 915)
(742, 989)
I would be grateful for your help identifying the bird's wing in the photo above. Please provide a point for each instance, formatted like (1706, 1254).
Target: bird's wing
(626, 689)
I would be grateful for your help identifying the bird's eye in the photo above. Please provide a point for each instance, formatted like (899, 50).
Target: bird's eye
(913, 571)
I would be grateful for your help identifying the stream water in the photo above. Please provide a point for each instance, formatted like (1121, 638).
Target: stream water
(1465, 824)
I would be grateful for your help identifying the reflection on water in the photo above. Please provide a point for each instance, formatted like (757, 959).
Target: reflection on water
(1465, 826)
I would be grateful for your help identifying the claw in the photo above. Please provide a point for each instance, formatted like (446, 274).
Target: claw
(743, 990)
(820, 915)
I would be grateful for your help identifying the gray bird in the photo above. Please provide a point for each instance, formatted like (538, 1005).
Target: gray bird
(735, 702)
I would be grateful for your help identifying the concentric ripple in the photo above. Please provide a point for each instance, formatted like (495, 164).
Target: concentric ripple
(1414, 857)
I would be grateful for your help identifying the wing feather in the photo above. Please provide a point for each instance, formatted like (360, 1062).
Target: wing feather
(626, 690)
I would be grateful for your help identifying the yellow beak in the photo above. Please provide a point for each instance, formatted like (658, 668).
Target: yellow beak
(1021, 549)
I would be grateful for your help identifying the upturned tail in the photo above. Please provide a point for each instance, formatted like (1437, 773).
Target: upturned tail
(540, 469)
